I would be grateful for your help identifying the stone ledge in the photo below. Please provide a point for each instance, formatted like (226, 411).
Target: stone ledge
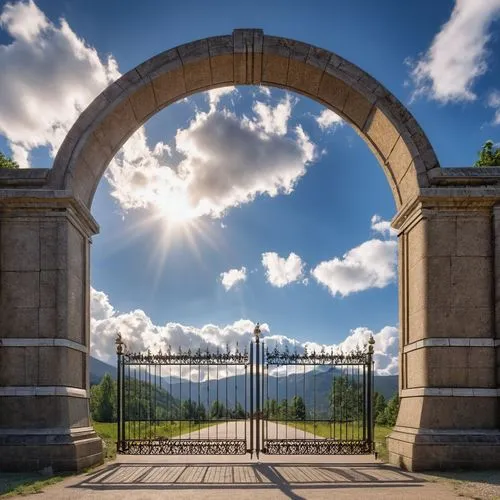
(43, 342)
(64, 452)
(451, 392)
(443, 449)
(42, 391)
(451, 342)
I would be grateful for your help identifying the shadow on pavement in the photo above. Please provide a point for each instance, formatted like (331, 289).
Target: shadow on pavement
(285, 477)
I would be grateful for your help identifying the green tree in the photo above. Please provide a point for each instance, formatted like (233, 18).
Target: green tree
(488, 156)
(389, 415)
(379, 404)
(217, 410)
(103, 400)
(297, 409)
(6, 162)
(189, 410)
(346, 399)
(283, 409)
(239, 412)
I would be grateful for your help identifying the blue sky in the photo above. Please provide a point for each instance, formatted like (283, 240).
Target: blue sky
(299, 242)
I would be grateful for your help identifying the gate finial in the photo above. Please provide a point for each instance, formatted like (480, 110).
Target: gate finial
(371, 343)
(119, 343)
(257, 332)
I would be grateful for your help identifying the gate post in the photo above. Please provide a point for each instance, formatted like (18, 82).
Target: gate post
(45, 238)
(119, 393)
(449, 397)
(369, 395)
(257, 334)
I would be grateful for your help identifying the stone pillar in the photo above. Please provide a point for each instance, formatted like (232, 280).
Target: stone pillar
(44, 333)
(449, 412)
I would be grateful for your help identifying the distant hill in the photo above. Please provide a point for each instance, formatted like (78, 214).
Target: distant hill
(98, 369)
(227, 389)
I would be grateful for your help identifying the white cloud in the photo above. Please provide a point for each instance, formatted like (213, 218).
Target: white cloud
(215, 95)
(272, 120)
(328, 120)
(141, 334)
(266, 91)
(23, 20)
(233, 277)
(226, 162)
(280, 271)
(494, 102)
(457, 56)
(369, 265)
(48, 77)
(383, 227)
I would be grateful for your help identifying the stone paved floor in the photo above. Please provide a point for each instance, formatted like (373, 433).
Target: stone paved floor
(252, 480)
(243, 477)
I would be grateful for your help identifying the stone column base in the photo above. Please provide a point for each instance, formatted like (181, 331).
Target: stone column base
(75, 451)
(425, 449)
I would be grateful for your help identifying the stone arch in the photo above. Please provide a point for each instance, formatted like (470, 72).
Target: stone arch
(247, 57)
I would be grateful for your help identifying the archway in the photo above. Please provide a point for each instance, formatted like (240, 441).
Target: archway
(445, 250)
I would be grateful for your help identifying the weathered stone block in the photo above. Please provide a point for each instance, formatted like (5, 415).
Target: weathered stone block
(304, 77)
(222, 69)
(61, 366)
(334, 92)
(20, 248)
(274, 69)
(357, 108)
(19, 322)
(19, 366)
(471, 282)
(143, 102)
(197, 76)
(474, 236)
(117, 126)
(381, 132)
(400, 159)
(169, 87)
(19, 289)
(47, 322)
(441, 236)
(48, 288)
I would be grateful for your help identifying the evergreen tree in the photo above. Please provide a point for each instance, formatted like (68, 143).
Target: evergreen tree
(346, 399)
(298, 409)
(389, 415)
(283, 409)
(239, 412)
(379, 404)
(103, 400)
(217, 410)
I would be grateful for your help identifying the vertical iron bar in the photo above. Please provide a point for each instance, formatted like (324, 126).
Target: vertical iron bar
(245, 380)
(119, 399)
(251, 400)
(257, 397)
(364, 401)
(369, 416)
(262, 398)
(123, 400)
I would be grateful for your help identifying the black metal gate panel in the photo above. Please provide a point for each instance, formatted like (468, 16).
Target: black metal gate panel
(316, 403)
(234, 402)
(183, 403)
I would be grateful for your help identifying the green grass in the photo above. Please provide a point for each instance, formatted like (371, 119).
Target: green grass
(15, 484)
(346, 431)
(167, 430)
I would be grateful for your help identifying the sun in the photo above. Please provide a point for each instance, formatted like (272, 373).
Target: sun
(176, 209)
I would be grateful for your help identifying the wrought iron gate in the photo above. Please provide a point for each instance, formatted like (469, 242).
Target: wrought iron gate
(252, 401)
